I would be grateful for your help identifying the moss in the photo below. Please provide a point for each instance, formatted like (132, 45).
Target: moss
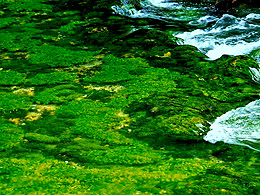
(11, 103)
(52, 78)
(94, 119)
(117, 70)
(11, 77)
(123, 155)
(6, 22)
(11, 136)
(71, 28)
(55, 56)
(57, 95)
(35, 137)
(28, 5)
(122, 122)
(18, 41)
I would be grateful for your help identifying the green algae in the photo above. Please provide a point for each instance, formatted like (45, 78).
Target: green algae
(92, 110)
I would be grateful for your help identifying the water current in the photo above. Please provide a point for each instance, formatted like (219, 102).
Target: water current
(215, 35)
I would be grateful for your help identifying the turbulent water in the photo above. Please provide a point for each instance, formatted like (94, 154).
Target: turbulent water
(215, 36)
(228, 35)
(239, 126)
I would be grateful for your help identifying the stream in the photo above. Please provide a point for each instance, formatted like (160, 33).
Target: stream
(214, 35)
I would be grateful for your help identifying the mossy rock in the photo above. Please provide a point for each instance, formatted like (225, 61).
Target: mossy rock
(144, 43)
(102, 95)
(59, 127)
(165, 130)
(18, 41)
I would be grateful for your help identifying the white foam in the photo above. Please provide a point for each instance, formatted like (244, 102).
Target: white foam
(240, 126)
(254, 18)
(156, 9)
(229, 36)
(241, 48)
(159, 3)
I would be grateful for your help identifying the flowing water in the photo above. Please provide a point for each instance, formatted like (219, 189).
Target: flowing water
(215, 36)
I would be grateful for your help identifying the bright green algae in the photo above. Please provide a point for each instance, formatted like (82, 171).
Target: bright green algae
(86, 109)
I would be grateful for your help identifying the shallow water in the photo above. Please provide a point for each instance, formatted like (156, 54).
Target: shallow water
(214, 36)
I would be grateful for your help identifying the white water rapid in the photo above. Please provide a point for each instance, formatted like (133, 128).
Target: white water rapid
(240, 126)
(215, 36)
(228, 35)
(156, 9)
